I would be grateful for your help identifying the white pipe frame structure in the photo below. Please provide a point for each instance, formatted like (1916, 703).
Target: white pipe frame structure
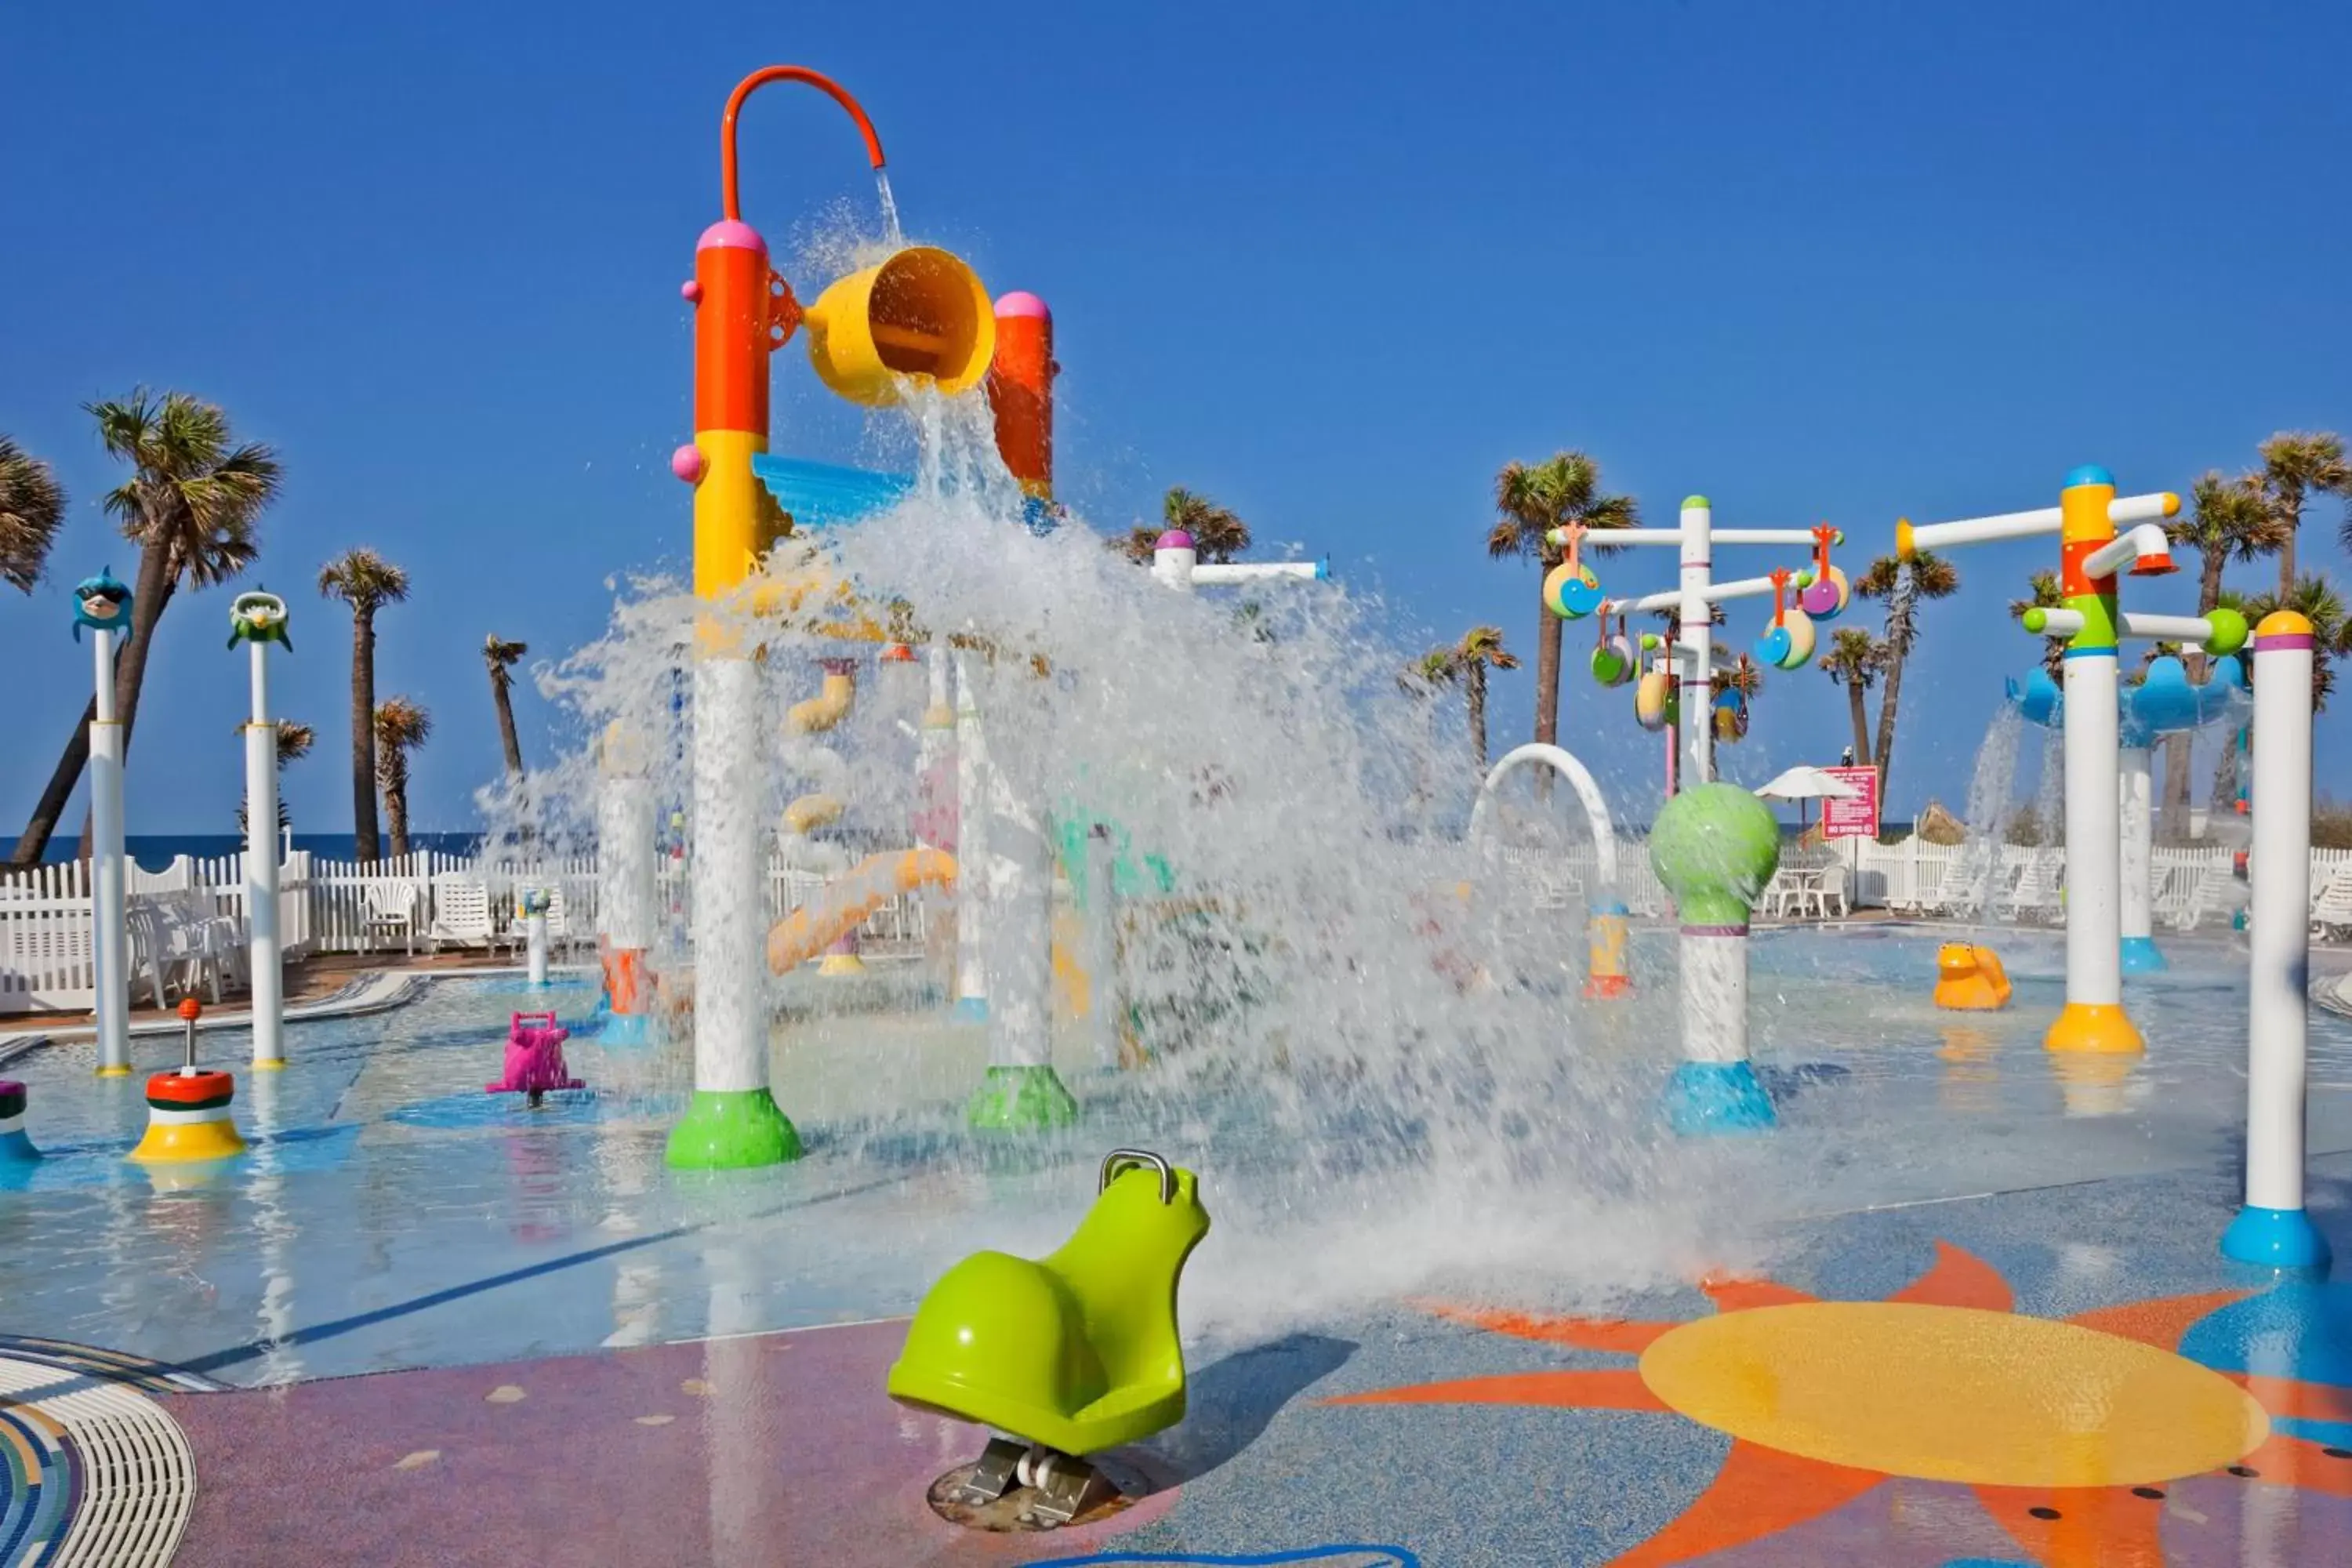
(2273, 1229)
(1695, 539)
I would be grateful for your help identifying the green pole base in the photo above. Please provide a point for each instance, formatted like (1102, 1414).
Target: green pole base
(731, 1129)
(1021, 1099)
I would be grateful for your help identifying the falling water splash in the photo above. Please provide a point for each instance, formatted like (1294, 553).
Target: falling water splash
(891, 236)
(1989, 788)
(1388, 1077)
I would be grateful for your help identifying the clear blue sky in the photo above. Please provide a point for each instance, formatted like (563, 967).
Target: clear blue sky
(1334, 267)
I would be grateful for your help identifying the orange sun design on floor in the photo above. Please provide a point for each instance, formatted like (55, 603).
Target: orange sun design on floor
(2067, 1431)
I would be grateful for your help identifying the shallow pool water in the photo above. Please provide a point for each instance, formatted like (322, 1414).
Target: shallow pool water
(390, 1213)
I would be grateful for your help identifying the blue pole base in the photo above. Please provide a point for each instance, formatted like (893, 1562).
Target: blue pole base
(2141, 956)
(16, 1149)
(1718, 1097)
(970, 1010)
(2275, 1239)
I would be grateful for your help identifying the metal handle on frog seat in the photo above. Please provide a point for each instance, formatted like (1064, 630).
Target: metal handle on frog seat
(1118, 1162)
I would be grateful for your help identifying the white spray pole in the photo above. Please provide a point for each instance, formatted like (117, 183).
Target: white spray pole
(972, 849)
(263, 955)
(1694, 671)
(2094, 973)
(626, 895)
(2138, 955)
(2273, 1229)
(110, 936)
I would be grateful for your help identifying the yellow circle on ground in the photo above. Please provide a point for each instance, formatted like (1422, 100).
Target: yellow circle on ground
(1954, 1394)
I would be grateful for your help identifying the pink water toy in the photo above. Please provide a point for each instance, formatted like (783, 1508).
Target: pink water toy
(535, 1057)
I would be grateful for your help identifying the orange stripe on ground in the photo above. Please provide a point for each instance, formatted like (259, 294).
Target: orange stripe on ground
(1759, 1491)
(1958, 1278)
(1733, 1295)
(1561, 1390)
(2159, 1322)
(1584, 1333)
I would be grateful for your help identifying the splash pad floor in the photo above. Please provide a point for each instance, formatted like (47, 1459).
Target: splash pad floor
(530, 1296)
(1407, 1436)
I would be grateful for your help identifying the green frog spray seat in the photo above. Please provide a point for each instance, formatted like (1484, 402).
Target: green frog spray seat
(1076, 1352)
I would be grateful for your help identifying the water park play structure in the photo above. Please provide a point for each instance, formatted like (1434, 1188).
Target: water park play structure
(256, 619)
(103, 605)
(188, 1109)
(2164, 703)
(1377, 1133)
(1714, 846)
(534, 1059)
(1072, 1353)
(2272, 1227)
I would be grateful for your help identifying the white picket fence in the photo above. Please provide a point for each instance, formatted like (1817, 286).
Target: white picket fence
(328, 906)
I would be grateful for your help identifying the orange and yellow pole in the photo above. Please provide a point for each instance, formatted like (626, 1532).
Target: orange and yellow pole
(743, 309)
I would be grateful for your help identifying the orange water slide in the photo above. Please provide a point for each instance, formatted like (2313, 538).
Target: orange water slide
(850, 899)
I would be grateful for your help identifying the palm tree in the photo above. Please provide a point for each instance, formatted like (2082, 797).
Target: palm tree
(1467, 662)
(294, 743)
(401, 726)
(2229, 520)
(32, 508)
(191, 505)
(366, 581)
(1218, 534)
(1564, 489)
(2043, 593)
(1902, 584)
(1421, 679)
(500, 657)
(1853, 660)
(2297, 465)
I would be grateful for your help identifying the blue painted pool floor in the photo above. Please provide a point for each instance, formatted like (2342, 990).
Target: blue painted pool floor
(781, 1447)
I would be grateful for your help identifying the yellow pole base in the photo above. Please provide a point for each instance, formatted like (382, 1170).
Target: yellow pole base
(838, 963)
(114, 1072)
(2099, 1027)
(181, 1143)
(275, 1064)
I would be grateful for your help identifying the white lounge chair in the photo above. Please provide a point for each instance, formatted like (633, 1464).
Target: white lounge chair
(2039, 893)
(2331, 905)
(2217, 891)
(389, 911)
(461, 916)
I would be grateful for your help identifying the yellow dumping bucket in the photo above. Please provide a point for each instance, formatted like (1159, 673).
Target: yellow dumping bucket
(1969, 978)
(921, 315)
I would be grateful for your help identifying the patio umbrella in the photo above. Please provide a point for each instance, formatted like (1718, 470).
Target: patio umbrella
(1807, 784)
